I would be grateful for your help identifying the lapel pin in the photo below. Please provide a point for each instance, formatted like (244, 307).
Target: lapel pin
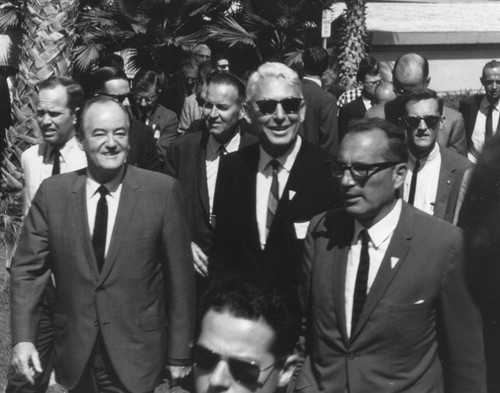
(394, 261)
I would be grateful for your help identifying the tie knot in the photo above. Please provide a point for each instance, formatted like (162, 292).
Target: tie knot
(275, 164)
(222, 150)
(56, 152)
(364, 236)
(103, 191)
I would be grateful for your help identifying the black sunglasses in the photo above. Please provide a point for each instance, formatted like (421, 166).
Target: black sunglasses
(359, 172)
(290, 105)
(414, 121)
(241, 370)
(118, 97)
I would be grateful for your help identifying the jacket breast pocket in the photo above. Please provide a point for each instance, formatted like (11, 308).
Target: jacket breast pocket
(153, 322)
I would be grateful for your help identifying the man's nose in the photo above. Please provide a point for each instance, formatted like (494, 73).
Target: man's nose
(220, 375)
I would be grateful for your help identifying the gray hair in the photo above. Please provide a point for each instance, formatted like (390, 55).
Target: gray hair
(272, 70)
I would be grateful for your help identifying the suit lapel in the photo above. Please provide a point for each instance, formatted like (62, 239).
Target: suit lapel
(201, 173)
(447, 177)
(397, 250)
(248, 183)
(124, 217)
(79, 207)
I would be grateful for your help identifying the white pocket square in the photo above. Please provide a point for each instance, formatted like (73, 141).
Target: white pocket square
(291, 194)
(394, 262)
(301, 229)
(421, 301)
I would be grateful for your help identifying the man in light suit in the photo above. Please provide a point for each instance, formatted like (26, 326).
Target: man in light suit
(383, 288)
(320, 126)
(267, 193)
(481, 109)
(194, 159)
(58, 101)
(411, 71)
(438, 184)
(116, 239)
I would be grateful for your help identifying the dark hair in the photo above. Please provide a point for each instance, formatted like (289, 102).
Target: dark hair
(204, 70)
(423, 93)
(144, 79)
(490, 64)
(99, 77)
(188, 64)
(315, 61)
(368, 66)
(98, 99)
(112, 60)
(227, 78)
(220, 56)
(398, 149)
(254, 298)
(73, 90)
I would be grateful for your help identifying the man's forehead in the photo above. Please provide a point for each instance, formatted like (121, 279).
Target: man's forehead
(274, 87)
(364, 144)
(429, 106)
(54, 96)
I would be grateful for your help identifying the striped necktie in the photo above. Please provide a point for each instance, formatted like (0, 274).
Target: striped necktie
(274, 195)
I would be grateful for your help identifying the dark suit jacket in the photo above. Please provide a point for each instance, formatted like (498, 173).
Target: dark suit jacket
(236, 239)
(451, 135)
(173, 98)
(469, 107)
(143, 152)
(320, 124)
(146, 284)
(353, 110)
(420, 290)
(449, 196)
(186, 162)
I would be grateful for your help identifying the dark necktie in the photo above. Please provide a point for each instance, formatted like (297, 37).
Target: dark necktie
(488, 132)
(100, 227)
(222, 150)
(360, 289)
(274, 196)
(413, 184)
(56, 162)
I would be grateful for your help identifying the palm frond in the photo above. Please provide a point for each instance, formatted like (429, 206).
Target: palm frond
(231, 33)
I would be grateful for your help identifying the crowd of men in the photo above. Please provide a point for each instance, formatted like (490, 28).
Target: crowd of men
(258, 235)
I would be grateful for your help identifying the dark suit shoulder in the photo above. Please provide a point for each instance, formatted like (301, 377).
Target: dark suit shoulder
(472, 100)
(188, 140)
(149, 178)
(454, 160)
(311, 89)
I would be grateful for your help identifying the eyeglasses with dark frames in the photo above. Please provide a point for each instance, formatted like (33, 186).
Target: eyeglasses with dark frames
(242, 371)
(413, 122)
(359, 172)
(290, 105)
(118, 97)
(373, 83)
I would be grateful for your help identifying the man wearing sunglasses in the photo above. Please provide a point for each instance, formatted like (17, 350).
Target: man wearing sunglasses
(412, 71)
(383, 284)
(267, 193)
(435, 183)
(481, 112)
(368, 77)
(112, 82)
(248, 333)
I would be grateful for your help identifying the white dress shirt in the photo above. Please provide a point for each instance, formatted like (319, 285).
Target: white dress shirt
(113, 199)
(427, 180)
(212, 162)
(477, 137)
(265, 178)
(380, 237)
(367, 102)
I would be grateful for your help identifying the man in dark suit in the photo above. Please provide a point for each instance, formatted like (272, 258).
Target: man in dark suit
(481, 112)
(411, 71)
(320, 123)
(113, 83)
(435, 183)
(116, 239)
(382, 286)
(267, 193)
(194, 158)
(369, 77)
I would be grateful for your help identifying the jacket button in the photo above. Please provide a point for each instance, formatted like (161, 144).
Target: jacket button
(351, 355)
(96, 324)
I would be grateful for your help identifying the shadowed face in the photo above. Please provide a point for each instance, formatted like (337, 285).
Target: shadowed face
(422, 136)
(491, 83)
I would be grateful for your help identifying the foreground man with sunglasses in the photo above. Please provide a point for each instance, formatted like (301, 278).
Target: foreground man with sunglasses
(435, 183)
(267, 193)
(247, 337)
(383, 286)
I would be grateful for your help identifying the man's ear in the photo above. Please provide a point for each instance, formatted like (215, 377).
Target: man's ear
(246, 112)
(482, 80)
(426, 84)
(400, 171)
(288, 369)
(302, 111)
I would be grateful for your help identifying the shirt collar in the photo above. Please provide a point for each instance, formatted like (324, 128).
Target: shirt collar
(382, 229)
(231, 146)
(113, 186)
(485, 104)
(317, 81)
(65, 152)
(286, 160)
(433, 155)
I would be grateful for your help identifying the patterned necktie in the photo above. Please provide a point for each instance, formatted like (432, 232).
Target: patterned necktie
(56, 162)
(274, 196)
(100, 227)
(413, 184)
(360, 290)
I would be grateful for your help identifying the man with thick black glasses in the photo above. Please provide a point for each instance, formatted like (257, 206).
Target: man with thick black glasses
(435, 183)
(267, 193)
(481, 112)
(383, 288)
(248, 332)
